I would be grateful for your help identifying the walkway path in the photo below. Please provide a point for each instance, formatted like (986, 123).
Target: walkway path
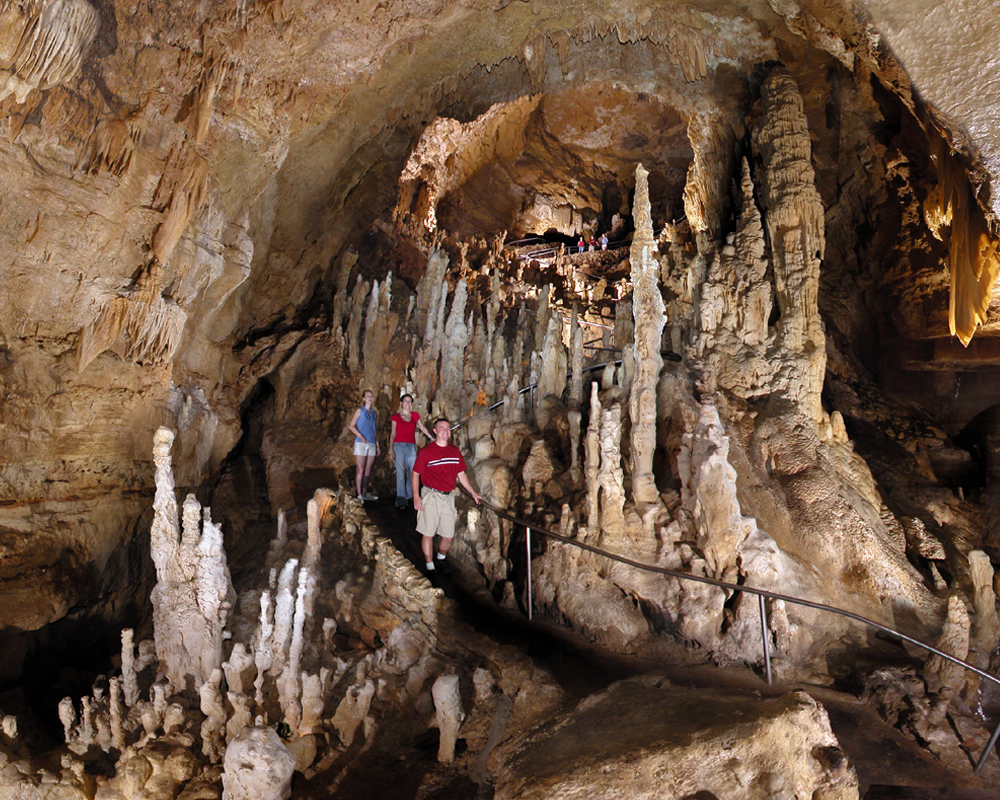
(879, 753)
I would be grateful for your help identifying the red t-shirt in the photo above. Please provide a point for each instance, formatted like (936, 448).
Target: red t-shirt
(406, 432)
(438, 466)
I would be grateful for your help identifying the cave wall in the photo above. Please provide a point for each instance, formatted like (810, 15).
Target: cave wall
(191, 183)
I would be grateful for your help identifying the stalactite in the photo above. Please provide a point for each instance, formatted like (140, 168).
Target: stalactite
(212, 78)
(648, 313)
(354, 326)
(187, 199)
(110, 147)
(139, 325)
(972, 248)
(54, 44)
(347, 261)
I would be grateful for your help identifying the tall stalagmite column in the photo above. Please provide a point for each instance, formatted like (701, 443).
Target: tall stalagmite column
(648, 312)
(796, 226)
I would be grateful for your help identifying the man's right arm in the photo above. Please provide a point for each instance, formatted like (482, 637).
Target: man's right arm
(415, 485)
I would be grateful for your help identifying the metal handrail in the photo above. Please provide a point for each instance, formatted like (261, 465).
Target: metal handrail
(761, 594)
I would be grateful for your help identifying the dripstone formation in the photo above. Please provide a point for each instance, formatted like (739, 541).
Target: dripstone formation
(225, 221)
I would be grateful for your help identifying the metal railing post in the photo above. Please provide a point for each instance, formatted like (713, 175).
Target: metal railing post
(764, 637)
(527, 540)
(989, 748)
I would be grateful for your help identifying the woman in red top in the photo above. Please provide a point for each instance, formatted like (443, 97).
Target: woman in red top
(403, 447)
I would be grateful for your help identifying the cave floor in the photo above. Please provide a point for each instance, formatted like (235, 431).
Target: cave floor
(881, 755)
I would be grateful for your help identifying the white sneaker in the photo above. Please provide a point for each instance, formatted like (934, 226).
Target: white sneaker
(370, 497)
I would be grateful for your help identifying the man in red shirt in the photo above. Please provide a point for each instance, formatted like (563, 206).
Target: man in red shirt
(439, 465)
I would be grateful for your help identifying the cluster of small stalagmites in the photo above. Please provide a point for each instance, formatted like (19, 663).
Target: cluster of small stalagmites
(939, 705)
(286, 673)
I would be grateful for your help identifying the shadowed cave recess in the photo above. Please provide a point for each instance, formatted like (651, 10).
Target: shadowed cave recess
(223, 222)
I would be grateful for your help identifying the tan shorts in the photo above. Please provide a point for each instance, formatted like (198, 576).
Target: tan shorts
(438, 515)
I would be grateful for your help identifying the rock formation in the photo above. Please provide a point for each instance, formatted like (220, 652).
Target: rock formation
(223, 221)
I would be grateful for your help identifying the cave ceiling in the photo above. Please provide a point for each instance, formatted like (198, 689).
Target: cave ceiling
(181, 181)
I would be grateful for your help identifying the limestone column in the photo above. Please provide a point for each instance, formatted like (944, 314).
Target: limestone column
(648, 313)
(592, 454)
(611, 477)
(796, 227)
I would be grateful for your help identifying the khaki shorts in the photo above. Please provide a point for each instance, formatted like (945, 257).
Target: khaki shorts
(438, 514)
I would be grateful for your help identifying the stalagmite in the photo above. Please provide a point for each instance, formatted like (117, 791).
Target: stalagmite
(67, 716)
(552, 370)
(944, 678)
(576, 361)
(310, 558)
(257, 767)
(542, 315)
(796, 229)
(347, 262)
(241, 718)
(213, 591)
(130, 682)
(86, 732)
(985, 623)
(624, 338)
(289, 690)
(284, 612)
(592, 452)
(192, 594)
(708, 493)
(263, 654)
(448, 708)
(648, 312)
(429, 290)
(611, 478)
(235, 669)
(115, 713)
(210, 697)
(312, 703)
(352, 711)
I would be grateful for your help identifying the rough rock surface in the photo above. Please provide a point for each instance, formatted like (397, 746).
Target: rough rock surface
(657, 739)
